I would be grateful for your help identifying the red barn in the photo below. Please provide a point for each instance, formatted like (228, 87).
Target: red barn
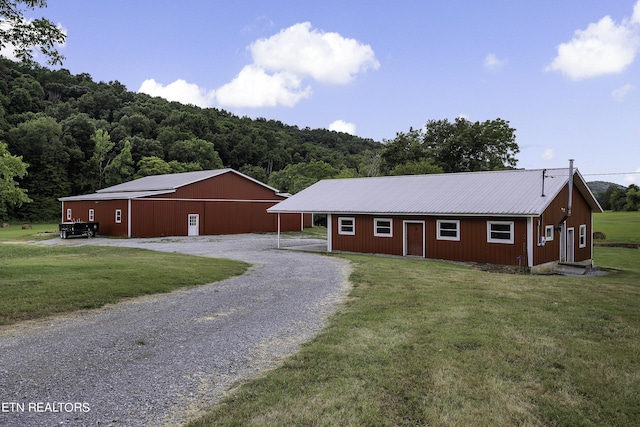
(220, 201)
(528, 218)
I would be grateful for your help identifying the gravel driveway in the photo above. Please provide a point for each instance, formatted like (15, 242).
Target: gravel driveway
(161, 360)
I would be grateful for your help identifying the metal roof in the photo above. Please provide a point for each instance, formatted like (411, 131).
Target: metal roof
(510, 192)
(156, 185)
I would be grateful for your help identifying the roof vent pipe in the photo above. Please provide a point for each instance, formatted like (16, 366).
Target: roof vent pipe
(544, 172)
(567, 212)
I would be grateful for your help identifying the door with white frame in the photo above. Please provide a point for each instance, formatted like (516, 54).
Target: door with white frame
(570, 245)
(194, 225)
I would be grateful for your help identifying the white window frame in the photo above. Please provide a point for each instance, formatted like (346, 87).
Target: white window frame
(439, 229)
(548, 233)
(508, 241)
(69, 214)
(92, 215)
(377, 226)
(582, 236)
(118, 216)
(341, 226)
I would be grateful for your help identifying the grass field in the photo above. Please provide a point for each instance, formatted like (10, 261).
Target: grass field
(619, 227)
(422, 342)
(37, 281)
(428, 343)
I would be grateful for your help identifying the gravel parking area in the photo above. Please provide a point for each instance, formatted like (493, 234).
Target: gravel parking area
(161, 360)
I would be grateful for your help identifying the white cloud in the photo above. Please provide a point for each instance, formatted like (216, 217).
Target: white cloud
(621, 93)
(603, 48)
(635, 18)
(342, 126)
(491, 62)
(283, 61)
(180, 91)
(548, 154)
(254, 88)
(276, 76)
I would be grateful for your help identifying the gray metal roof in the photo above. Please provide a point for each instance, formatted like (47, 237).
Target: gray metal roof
(122, 195)
(156, 185)
(511, 192)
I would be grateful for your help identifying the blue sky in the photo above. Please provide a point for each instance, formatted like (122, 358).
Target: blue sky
(564, 73)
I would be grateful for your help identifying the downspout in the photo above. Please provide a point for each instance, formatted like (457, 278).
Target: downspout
(562, 224)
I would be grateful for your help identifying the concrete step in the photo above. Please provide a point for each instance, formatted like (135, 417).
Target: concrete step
(572, 269)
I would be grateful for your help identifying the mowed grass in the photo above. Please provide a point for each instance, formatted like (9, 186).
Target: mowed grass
(429, 343)
(38, 281)
(619, 227)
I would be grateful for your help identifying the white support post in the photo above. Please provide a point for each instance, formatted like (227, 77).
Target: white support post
(278, 230)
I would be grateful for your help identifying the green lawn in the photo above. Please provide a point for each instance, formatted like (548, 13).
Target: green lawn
(37, 281)
(429, 343)
(619, 227)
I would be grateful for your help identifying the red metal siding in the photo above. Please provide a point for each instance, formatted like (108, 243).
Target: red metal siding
(152, 218)
(580, 214)
(167, 215)
(226, 186)
(472, 247)
(364, 239)
(104, 213)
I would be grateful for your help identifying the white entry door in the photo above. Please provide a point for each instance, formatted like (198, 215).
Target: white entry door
(570, 245)
(194, 225)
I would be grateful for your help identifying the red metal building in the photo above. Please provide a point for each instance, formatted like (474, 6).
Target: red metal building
(220, 201)
(528, 218)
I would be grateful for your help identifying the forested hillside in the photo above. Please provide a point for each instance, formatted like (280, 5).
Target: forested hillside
(77, 136)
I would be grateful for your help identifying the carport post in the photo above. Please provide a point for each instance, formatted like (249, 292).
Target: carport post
(278, 230)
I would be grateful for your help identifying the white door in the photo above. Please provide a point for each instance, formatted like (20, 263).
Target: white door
(194, 225)
(570, 245)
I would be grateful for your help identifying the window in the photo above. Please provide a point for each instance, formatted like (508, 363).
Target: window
(347, 226)
(548, 233)
(91, 215)
(118, 216)
(383, 227)
(583, 236)
(500, 231)
(448, 230)
(69, 215)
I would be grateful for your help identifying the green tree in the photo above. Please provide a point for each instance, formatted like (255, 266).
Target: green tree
(463, 146)
(122, 168)
(197, 151)
(152, 165)
(26, 35)
(632, 196)
(100, 159)
(418, 167)
(297, 177)
(38, 142)
(11, 167)
(404, 148)
(618, 199)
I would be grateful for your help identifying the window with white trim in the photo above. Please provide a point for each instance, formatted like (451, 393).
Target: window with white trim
(347, 226)
(69, 216)
(118, 216)
(448, 229)
(548, 233)
(383, 227)
(583, 236)
(500, 232)
(92, 215)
